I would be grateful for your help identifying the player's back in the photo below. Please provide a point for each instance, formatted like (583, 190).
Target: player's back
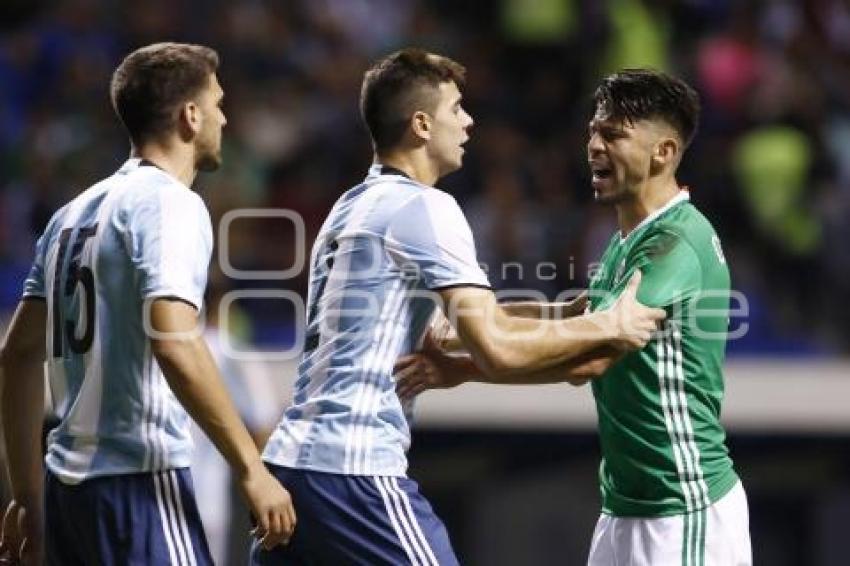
(122, 242)
(384, 245)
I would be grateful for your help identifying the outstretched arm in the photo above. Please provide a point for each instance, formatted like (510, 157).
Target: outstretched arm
(445, 337)
(548, 311)
(506, 347)
(433, 369)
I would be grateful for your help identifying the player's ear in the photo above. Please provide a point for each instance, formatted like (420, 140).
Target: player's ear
(421, 125)
(665, 153)
(189, 120)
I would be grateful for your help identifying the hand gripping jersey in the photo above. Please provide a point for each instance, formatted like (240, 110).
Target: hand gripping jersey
(385, 246)
(135, 236)
(663, 450)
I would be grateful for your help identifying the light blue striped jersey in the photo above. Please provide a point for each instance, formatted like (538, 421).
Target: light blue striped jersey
(386, 245)
(137, 235)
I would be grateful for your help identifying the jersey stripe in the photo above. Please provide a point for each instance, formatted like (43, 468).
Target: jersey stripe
(680, 429)
(147, 408)
(398, 334)
(664, 377)
(698, 478)
(369, 386)
(379, 336)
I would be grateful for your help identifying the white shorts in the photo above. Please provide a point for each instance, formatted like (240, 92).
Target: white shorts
(716, 536)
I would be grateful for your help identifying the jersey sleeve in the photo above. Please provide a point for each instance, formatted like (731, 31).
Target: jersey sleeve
(431, 235)
(670, 267)
(34, 286)
(171, 245)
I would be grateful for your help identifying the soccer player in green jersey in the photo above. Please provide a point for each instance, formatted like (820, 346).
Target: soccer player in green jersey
(669, 491)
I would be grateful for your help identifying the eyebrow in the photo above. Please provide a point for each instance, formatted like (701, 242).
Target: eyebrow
(605, 125)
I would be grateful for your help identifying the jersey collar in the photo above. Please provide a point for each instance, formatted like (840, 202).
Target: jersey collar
(683, 196)
(134, 163)
(378, 169)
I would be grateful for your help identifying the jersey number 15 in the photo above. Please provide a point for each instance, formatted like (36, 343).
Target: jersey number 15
(74, 275)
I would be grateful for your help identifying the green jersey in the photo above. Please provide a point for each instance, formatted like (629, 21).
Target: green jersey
(663, 448)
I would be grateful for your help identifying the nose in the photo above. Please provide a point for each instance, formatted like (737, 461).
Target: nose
(469, 121)
(594, 144)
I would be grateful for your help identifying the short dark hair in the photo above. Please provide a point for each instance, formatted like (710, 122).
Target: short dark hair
(400, 84)
(153, 81)
(642, 94)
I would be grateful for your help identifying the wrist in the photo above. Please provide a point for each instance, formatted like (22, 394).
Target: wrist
(249, 467)
(608, 328)
(463, 369)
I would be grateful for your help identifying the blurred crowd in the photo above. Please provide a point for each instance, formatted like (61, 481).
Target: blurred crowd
(770, 165)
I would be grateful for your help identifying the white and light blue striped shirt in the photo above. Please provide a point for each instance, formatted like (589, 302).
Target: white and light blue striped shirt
(135, 236)
(386, 245)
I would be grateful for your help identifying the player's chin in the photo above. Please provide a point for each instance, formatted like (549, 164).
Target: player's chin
(209, 162)
(606, 194)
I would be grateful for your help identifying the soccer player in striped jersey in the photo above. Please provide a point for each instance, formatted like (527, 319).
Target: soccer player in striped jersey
(390, 249)
(111, 304)
(669, 492)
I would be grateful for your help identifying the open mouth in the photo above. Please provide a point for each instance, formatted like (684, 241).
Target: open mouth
(601, 171)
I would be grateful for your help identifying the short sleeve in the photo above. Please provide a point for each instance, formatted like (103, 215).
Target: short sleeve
(671, 271)
(171, 244)
(34, 286)
(430, 235)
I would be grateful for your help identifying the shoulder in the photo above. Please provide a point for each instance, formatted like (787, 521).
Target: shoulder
(693, 229)
(665, 242)
(149, 191)
(434, 202)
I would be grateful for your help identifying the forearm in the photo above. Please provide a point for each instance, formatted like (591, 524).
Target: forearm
(23, 418)
(577, 371)
(547, 311)
(194, 378)
(522, 346)
(503, 345)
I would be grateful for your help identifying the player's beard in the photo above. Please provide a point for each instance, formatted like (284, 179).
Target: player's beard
(615, 196)
(208, 155)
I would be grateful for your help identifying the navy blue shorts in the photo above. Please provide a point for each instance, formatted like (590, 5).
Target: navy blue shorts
(374, 520)
(134, 519)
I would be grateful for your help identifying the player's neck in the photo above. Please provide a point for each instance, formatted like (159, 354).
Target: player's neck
(648, 199)
(179, 162)
(415, 164)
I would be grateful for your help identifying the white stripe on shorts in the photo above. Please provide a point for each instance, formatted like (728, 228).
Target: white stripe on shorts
(181, 515)
(406, 501)
(394, 520)
(164, 518)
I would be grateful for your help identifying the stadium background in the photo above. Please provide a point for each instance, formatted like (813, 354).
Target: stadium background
(512, 472)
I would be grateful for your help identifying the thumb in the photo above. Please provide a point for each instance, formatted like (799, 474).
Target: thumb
(404, 362)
